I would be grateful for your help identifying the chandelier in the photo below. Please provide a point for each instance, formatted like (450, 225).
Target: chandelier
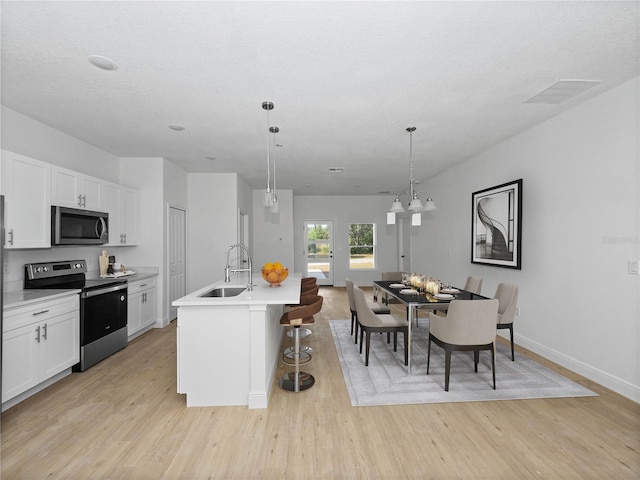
(415, 204)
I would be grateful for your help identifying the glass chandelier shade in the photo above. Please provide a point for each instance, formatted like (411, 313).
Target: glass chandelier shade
(396, 206)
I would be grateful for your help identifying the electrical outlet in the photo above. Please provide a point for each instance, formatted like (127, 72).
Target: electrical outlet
(6, 268)
(633, 267)
(517, 311)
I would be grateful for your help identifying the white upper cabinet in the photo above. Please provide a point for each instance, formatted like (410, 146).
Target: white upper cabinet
(121, 203)
(27, 190)
(75, 190)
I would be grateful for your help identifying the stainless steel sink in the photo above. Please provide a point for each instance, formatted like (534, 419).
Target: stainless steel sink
(224, 292)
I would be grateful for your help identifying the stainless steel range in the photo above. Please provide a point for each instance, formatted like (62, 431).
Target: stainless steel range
(103, 306)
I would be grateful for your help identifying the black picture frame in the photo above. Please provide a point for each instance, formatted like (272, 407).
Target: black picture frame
(496, 225)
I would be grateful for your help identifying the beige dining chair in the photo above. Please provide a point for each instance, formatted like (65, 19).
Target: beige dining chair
(470, 325)
(507, 295)
(473, 285)
(375, 308)
(390, 277)
(371, 322)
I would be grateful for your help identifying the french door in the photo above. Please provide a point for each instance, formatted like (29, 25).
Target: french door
(318, 247)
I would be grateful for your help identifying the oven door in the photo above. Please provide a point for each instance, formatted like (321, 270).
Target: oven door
(102, 311)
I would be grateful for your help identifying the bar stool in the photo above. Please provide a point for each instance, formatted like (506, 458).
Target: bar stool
(305, 290)
(298, 381)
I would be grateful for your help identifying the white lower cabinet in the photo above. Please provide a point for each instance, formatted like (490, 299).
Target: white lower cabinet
(141, 310)
(39, 341)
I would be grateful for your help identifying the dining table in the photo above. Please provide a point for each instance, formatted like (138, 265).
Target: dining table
(414, 300)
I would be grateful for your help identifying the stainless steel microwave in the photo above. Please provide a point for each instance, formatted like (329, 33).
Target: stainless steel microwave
(72, 226)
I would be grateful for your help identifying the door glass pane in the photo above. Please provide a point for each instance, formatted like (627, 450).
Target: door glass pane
(319, 252)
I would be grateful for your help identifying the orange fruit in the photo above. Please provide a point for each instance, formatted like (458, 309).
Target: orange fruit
(277, 266)
(268, 266)
(273, 277)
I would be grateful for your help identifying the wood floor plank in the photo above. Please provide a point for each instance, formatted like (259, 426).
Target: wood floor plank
(122, 419)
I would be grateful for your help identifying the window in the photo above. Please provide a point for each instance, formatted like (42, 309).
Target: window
(362, 240)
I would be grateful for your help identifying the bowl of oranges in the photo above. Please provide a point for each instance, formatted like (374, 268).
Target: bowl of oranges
(274, 273)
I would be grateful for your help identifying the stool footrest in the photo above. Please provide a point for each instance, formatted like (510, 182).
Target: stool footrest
(288, 381)
(305, 357)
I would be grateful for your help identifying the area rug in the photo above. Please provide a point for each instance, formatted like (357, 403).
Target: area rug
(386, 381)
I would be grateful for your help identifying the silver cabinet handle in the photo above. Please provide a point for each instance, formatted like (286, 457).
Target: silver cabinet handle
(10, 240)
(44, 330)
(125, 237)
(79, 202)
(38, 334)
(40, 312)
(84, 200)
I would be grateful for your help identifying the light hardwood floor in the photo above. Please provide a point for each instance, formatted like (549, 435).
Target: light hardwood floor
(123, 419)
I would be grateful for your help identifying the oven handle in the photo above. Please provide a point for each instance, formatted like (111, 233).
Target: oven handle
(102, 291)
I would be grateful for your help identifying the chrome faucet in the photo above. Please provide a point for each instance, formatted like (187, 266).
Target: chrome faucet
(228, 270)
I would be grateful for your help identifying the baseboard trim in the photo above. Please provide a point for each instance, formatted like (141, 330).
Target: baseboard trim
(605, 379)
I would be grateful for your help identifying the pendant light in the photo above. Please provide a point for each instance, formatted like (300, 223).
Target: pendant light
(275, 207)
(266, 105)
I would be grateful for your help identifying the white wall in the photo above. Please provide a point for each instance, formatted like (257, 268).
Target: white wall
(212, 225)
(579, 306)
(146, 175)
(343, 211)
(24, 135)
(273, 232)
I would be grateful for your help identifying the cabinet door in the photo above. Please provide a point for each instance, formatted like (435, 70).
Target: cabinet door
(148, 313)
(65, 188)
(128, 215)
(134, 313)
(20, 360)
(92, 194)
(61, 343)
(27, 187)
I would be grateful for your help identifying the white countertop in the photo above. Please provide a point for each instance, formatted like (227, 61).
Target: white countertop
(20, 298)
(262, 294)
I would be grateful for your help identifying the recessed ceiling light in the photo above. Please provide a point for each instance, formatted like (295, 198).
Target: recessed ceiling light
(102, 62)
(210, 157)
(176, 126)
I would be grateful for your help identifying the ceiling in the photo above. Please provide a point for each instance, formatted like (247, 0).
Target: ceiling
(346, 79)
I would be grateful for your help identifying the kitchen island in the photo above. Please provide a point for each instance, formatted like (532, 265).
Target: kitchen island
(228, 347)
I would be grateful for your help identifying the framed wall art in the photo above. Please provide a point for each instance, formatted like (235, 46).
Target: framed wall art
(496, 225)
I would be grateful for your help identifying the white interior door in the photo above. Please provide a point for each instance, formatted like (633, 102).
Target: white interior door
(177, 257)
(318, 248)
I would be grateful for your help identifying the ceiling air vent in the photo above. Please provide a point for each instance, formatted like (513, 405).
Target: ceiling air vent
(562, 91)
(336, 169)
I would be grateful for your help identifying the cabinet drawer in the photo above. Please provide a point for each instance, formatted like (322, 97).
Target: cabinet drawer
(140, 286)
(36, 312)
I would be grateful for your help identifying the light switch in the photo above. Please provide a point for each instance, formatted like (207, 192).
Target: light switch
(633, 267)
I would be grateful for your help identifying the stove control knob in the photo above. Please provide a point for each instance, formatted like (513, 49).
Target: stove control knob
(38, 269)
(45, 269)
